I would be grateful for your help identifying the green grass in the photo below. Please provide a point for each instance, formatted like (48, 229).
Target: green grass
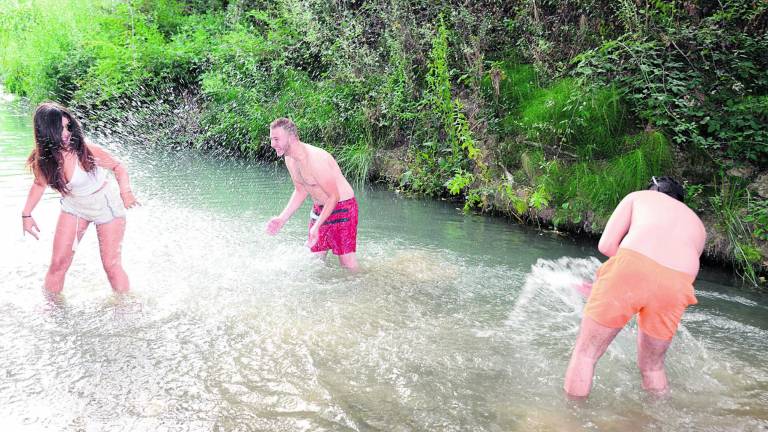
(92, 51)
(516, 83)
(545, 115)
(574, 150)
(728, 203)
(601, 121)
(599, 186)
(36, 41)
(586, 124)
(238, 116)
(355, 160)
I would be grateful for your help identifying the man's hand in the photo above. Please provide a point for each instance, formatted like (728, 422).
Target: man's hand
(314, 235)
(27, 224)
(274, 225)
(584, 288)
(129, 200)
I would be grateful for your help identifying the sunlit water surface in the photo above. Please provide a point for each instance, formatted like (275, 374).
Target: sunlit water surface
(454, 323)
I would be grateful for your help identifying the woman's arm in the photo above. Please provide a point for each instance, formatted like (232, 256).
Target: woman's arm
(27, 221)
(105, 160)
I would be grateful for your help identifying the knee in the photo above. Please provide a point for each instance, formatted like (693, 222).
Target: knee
(586, 348)
(584, 358)
(651, 353)
(112, 267)
(60, 264)
(649, 360)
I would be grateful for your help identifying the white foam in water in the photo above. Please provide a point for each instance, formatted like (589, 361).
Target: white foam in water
(227, 328)
(727, 297)
(544, 320)
(715, 384)
(554, 280)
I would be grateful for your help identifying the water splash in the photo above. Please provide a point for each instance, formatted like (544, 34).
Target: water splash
(447, 327)
(551, 289)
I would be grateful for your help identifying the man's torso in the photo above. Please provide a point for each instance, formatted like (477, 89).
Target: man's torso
(665, 230)
(309, 173)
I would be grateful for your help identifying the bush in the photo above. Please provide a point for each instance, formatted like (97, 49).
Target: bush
(703, 82)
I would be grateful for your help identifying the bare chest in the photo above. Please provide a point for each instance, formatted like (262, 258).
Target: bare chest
(69, 165)
(306, 176)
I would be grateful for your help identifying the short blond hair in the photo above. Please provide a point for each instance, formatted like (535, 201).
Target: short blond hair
(287, 124)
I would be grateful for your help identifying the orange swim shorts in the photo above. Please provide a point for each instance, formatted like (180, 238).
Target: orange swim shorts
(631, 283)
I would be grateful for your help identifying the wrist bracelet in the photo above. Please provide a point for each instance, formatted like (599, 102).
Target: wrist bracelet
(24, 216)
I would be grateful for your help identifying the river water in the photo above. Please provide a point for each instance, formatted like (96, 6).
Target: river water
(456, 322)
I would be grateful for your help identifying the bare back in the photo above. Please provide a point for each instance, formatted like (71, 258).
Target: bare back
(658, 226)
(309, 174)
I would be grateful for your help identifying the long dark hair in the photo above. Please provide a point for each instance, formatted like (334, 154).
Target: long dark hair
(47, 160)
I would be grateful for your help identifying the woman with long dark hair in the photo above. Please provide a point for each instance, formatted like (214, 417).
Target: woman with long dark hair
(65, 161)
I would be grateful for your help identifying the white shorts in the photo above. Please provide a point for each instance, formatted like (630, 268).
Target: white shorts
(100, 207)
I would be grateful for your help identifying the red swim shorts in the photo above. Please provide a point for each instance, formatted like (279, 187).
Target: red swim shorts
(631, 283)
(339, 231)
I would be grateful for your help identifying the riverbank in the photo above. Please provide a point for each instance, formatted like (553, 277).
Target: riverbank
(388, 168)
(545, 112)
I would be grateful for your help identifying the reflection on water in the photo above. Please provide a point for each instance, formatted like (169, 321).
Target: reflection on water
(454, 323)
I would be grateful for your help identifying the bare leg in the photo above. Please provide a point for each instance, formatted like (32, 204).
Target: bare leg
(591, 344)
(650, 359)
(110, 244)
(62, 250)
(349, 261)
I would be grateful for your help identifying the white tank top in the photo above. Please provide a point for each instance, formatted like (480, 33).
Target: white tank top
(84, 183)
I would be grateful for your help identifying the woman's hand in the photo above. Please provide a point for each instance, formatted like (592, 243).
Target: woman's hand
(129, 201)
(27, 224)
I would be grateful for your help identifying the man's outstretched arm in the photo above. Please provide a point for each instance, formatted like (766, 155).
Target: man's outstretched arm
(297, 198)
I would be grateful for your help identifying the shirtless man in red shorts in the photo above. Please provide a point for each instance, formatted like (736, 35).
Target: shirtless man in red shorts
(653, 242)
(314, 172)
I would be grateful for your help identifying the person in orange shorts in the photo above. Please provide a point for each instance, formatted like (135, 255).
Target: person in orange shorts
(653, 241)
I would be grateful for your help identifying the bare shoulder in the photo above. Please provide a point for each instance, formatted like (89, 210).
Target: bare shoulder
(93, 146)
(322, 156)
(669, 205)
(629, 199)
(318, 152)
(693, 217)
(102, 157)
(97, 150)
(693, 221)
